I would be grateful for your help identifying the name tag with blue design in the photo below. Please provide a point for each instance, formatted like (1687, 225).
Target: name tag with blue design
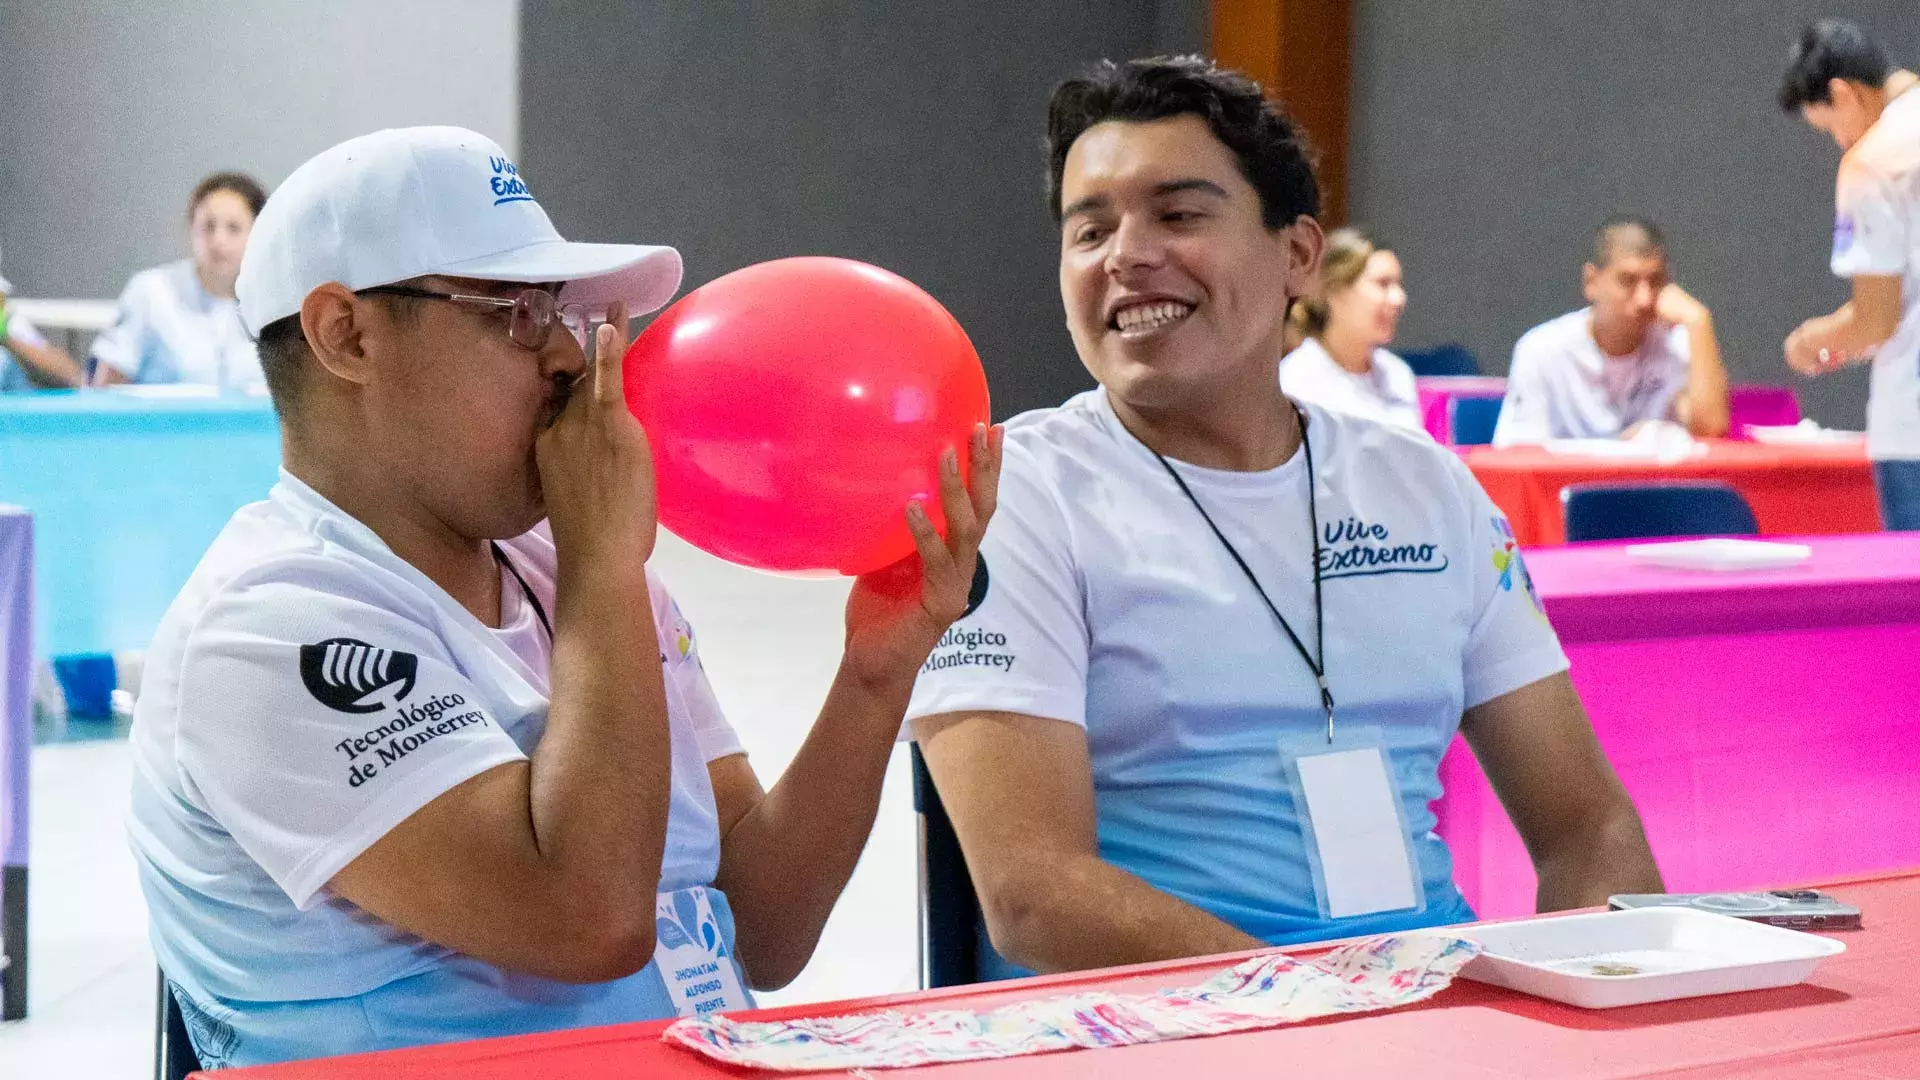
(692, 955)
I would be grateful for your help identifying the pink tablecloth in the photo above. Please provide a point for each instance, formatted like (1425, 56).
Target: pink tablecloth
(1855, 1019)
(1765, 723)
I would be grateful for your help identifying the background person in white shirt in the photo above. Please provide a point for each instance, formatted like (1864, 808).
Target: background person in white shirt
(179, 323)
(1644, 350)
(28, 361)
(1342, 361)
(424, 751)
(1841, 82)
(1127, 727)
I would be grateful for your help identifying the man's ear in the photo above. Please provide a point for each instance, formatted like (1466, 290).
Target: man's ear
(333, 320)
(1306, 242)
(1589, 277)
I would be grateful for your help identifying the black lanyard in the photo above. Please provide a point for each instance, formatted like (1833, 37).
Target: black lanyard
(1317, 666)
(539, 612)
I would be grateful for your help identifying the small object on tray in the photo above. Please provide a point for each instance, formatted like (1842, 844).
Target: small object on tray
(1614, 958)
(1721, 553)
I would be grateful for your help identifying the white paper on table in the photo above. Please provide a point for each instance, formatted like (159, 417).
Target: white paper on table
(1721, 553)
(1804, 433)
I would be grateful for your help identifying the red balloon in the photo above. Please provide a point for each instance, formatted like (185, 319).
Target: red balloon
(796, 406)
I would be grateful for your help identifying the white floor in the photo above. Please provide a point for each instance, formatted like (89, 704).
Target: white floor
(770, 646)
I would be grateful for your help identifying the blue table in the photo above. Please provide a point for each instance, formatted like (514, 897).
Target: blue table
(16, 742)
(126, 490)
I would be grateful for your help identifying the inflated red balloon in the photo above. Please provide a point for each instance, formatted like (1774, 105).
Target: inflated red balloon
(796, 406)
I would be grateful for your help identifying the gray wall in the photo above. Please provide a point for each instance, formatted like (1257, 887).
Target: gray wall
(110, 111)
(907, 135)
(1489, 138)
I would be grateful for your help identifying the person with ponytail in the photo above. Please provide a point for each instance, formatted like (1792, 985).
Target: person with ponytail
(1342, 362)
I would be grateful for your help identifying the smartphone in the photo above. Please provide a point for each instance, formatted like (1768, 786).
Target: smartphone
(1798, 909)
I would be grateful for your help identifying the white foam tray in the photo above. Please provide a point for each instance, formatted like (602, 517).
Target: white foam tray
(1608, 959)
(1721, 553)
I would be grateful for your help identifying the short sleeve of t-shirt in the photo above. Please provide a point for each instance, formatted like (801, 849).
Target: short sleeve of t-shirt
(1510, 643)
(313, 720)
(687, 679)
(1022, 645)
(1870, 225)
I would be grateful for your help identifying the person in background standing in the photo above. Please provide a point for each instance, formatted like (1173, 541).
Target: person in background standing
(1839, 81)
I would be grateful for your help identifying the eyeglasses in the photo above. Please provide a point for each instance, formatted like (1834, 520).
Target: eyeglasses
(532, 313)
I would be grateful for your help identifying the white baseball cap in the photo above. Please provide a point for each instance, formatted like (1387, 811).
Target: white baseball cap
(407, 202)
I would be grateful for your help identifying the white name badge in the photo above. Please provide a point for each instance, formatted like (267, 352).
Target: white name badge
(692, 956)
(1351, 820)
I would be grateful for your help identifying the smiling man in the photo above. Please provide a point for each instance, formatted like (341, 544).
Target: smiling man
(1238, 632)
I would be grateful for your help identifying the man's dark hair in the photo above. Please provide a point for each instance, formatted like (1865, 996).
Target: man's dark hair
(239, 183)
(1271, 148)
(1625, 232)
(283, 353)
(1827, 50)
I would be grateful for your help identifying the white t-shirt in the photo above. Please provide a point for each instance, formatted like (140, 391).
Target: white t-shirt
(306, 692)
(1561, 386)
(1876, 231)
(1385, 393)
(170, 330)
(1110, 605)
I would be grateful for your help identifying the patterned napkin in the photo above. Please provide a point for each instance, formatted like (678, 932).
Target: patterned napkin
(1264, 992)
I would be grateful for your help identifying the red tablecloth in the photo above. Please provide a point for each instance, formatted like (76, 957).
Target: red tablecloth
(1858, 1016)
(1762, 721)
(1792, 489)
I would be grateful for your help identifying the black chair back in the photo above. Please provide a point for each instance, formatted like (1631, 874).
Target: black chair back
(949, 909)
(1667, 508)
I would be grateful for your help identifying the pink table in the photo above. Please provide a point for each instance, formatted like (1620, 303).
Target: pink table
(1767, 724)
(1855, 1019)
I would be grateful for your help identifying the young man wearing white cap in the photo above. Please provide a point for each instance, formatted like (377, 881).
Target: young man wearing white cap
(423, 750)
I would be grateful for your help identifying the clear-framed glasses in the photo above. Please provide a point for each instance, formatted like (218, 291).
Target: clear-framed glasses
(532, 313)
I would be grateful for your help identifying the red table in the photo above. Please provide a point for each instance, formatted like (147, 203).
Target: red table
(1792, 489)
(1857, 1017)
(1764, 722)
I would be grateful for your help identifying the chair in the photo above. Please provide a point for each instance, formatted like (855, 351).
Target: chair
(1449, 359)
(173, 1056)
(1472, 419)
(949, 910)
(1671, 508)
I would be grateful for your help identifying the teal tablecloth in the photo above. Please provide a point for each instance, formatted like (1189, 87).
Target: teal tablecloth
(126, 493)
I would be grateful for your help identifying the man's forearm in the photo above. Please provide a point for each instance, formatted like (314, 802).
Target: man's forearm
(602, 773)
(1611, 857)
(1707, 407)
(1075, 914)
(46, 363)
(785, 862)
